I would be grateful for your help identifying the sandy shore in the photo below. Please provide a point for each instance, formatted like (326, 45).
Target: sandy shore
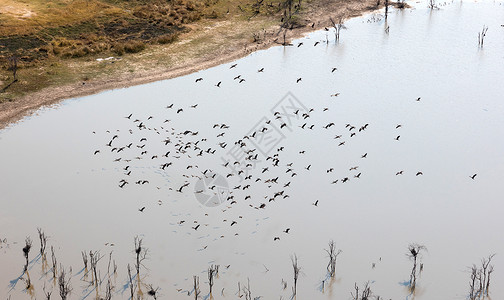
(318, 14)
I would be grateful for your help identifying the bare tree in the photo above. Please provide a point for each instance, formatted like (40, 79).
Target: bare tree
(64, 283)
(479, 283)
(26, 251)
(481, 36)
(248, 292)
(47, 294)
(337, 26)
(84, 260)
(333, 255)
(54, 262)
(43, 242)
(94, 258)
(196, 287)
(141, 254)
(296, 270)
(414, 255)
(212, 272)
(366, 292)
(131, 286)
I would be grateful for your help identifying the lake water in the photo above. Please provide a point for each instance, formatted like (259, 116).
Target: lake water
(50, 176)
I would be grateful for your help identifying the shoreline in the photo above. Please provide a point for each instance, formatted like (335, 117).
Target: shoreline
(12, 112)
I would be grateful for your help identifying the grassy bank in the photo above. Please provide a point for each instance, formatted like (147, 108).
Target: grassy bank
(58, 48)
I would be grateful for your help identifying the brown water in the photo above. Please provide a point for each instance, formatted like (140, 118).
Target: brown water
(51, 178)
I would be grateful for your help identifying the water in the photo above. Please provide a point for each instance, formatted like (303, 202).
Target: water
(50, 177)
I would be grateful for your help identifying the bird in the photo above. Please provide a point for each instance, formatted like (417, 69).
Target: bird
(364, 155)
(234, 222)
(399, 173)
(260, 70)
(335, 95)
(315, 204)
(276, 238)
(218, 84)
(398, 126)
(473, 176)
(129, 117)
(141, 209)
(397, 137)
(196, 228)
(298, 80)
(96, 152)
(233, 66)
(300, 44)
(419, 173)
(286, 230)
(334, 69)
(199, 79)
(418, 99)
(180, 110)
(241, 80)
(316, 43)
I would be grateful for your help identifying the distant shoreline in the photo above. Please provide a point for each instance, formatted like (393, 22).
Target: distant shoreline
(11, 112)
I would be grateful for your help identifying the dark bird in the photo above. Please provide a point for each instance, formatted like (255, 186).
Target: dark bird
(357, 176)
(129, 117)
(399, 173)
(233, 66)
(397, 137)
(169, 106)
(194, 106)
(276, 238)
(334, 69)
(398, 126)
(418, 99)
(180, 110)
(234, 222)
(316, 203)
(241, 80)
(419, 173)
(316, 43)
(474, 176)
(335, 95)
(260, 70)
(298, 80)
(218, 84)
(96, 152)
(141, 209)
(196, 228)
(364, 155)
(287, 230)
(300, 44)
(199, 79)
(308, 168)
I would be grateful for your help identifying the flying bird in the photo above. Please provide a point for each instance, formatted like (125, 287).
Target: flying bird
(473, 176)
(141, 209)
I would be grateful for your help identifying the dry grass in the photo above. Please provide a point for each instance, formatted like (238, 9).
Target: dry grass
(59, 41)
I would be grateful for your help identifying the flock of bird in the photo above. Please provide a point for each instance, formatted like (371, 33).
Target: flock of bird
(253, 178)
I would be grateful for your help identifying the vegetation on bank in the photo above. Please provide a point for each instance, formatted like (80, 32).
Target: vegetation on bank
(60, 42)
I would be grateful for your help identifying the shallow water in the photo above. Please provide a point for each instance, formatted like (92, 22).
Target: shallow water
(50, 177)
